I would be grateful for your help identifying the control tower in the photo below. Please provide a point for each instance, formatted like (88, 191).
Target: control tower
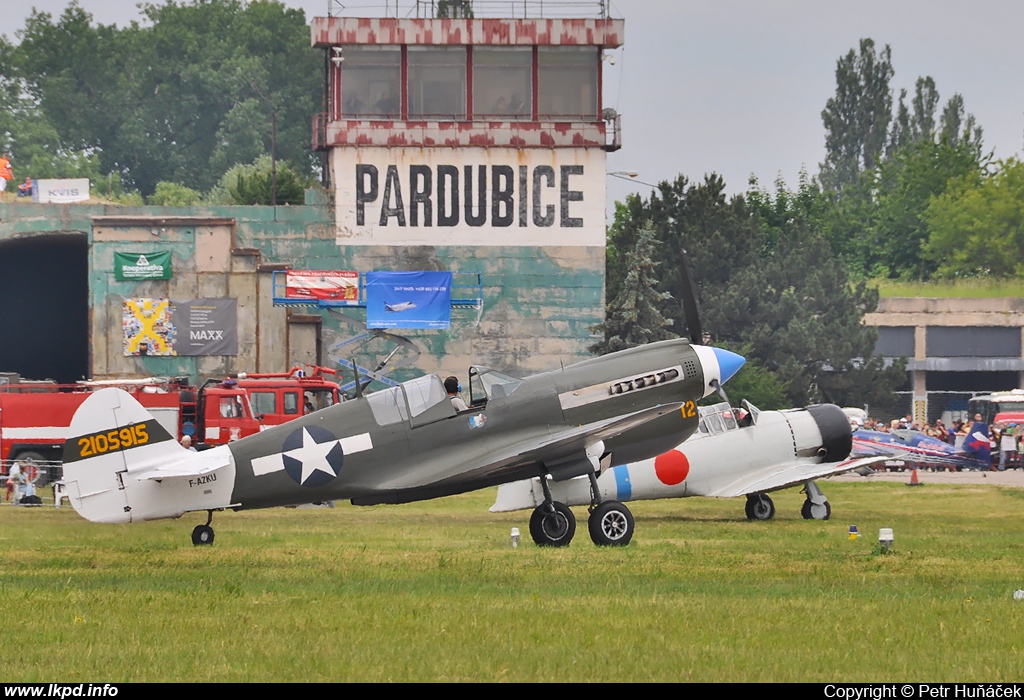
(477, 143)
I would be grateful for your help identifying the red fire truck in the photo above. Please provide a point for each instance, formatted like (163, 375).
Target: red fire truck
(34, 416)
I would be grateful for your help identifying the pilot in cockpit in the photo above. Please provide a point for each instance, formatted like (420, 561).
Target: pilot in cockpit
(451, 385)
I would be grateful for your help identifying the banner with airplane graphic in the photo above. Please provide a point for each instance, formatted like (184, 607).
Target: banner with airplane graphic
(142, 266)
(161, 327)
(408, 299)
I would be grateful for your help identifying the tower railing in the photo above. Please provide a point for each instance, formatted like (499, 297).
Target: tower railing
(477, 9)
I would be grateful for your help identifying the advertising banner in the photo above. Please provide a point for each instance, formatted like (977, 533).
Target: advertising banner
(408, 299)
(162, 327)
(142, 266)
(332, 285)
(61, 191)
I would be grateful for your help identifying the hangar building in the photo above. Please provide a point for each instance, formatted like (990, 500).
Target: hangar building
(954, 348)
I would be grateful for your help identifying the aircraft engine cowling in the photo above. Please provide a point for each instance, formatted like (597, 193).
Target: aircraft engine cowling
(836, 435)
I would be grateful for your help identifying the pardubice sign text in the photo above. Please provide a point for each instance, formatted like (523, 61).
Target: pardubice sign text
(471, 195)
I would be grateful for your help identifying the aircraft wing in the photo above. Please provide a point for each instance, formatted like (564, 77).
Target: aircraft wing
(192, 465)
(782, 476)
(575, 440)
(513, 461)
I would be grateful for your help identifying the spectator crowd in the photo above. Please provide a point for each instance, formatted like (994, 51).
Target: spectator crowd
(1000, 443)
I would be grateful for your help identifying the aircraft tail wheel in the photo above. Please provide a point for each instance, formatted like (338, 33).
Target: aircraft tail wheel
(816, 511)
(203, 534)
(552, 525)
(760, 507)
(611, 523)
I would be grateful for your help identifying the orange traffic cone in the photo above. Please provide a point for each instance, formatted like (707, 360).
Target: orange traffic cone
(913, 479)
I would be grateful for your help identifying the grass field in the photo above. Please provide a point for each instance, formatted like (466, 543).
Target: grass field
(434, 591)
(977, 288)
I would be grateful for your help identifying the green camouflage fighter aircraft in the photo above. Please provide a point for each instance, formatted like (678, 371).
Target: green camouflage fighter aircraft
(407, 443)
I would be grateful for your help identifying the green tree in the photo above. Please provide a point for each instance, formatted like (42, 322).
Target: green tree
(182, 99)
(768, 282)
(26, 133)
(876, 225)
(171, 194)
(252, 184)
(976, 227)
(633, 317)
(926, 99)
(804, 316)
(902, 188)
(700, 228)
(857, 118)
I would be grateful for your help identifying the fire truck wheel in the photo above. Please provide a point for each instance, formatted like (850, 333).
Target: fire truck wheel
(203, 534)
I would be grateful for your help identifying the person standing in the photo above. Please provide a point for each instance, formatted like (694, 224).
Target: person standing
(13, 478)
(6, 174)
(16, 479)
(977, 444)
(1007, 444)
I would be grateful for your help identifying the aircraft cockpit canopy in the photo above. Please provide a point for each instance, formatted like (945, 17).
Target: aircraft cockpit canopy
(410, 399)
(722, 418)
(716, 419)
(486, 384)
(424, 392)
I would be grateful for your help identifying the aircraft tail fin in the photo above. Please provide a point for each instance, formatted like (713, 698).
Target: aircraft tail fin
(120, 464)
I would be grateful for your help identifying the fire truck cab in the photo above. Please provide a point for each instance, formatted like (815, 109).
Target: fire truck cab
(34, 416)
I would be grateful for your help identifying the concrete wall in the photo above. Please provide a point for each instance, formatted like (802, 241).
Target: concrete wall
(539, 301)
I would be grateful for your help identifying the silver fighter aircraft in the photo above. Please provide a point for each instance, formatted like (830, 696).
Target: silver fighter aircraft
(407, 443)
(734, 453)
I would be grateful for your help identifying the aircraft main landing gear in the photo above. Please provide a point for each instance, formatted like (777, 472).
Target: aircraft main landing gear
(552, 525)
(203, 534)
(611, 523)
(760, 507)
(816, 507)
(816, 511)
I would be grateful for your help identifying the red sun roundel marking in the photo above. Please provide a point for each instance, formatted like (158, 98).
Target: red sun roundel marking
(671, 467)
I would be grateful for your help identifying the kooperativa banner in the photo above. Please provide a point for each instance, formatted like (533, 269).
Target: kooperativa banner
(162, 327)
(142, 266)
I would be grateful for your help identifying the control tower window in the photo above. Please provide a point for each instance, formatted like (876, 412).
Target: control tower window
(567, 82)
(437, 83)
(503, 83)
(371, 82)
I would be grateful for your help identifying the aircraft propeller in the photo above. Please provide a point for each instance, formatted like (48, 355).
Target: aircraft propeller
(691, 310)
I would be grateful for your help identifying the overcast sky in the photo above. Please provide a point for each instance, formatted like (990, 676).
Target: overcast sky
(737, 86)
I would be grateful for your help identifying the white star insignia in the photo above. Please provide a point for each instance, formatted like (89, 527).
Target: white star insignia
(313, 456)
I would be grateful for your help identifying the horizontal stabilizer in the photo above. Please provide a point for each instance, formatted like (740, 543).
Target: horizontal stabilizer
(192, 465)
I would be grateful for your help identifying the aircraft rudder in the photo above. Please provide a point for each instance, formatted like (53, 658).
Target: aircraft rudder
(104, 437)
(111, 421)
